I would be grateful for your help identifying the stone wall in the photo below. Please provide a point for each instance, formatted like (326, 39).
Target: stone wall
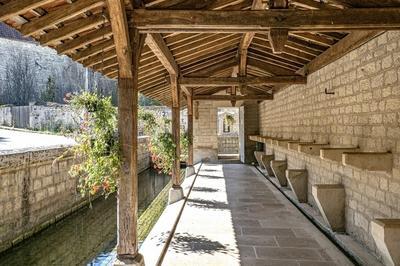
(364, 112)
(205, 131)
(35, 190)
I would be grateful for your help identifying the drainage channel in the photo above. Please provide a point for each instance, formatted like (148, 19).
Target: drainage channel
(353, 258)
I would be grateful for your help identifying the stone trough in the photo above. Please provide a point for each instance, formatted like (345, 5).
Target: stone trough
(386, 233)
(298, 182)
(278, 168)
(330, 199)
(371, 161)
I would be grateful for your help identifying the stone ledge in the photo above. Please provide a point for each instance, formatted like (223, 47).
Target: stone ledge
(294, 145)
(335, 154)
(386, 233)
(312, 149)
(371, 161)
(298, 182)
(330, 199)
(278, 168)
(282, 142)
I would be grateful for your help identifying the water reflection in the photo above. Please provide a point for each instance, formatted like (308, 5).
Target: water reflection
(87, 236)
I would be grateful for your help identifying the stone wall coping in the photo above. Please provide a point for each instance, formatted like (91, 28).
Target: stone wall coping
(328, 186)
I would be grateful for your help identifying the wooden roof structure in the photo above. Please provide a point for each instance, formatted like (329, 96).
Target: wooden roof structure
(244, 48)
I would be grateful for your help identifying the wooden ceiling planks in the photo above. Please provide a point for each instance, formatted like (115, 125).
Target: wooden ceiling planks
(81, 30)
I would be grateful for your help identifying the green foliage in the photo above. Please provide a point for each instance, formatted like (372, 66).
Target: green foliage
(97, 148)
(49, 94)
(229, 119)
(145, 101)
(161, 146)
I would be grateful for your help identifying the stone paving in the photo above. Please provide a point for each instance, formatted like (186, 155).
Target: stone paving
(12, 141)
(234, 216)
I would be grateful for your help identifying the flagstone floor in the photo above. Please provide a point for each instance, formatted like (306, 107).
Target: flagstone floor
(234, 216)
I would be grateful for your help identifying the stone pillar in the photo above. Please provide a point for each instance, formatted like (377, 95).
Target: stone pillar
(176, 192)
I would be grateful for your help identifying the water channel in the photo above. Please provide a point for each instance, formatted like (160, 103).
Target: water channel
(86, 237)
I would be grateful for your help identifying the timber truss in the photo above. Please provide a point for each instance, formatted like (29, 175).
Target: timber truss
(213, 49)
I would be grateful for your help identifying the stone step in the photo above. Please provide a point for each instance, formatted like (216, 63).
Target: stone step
(312, 148)
(294, 145)
(335, 154)
(266, 161)
(278, 168)
(371, 161)
(330, 199)
(386, 233)
(298, 182)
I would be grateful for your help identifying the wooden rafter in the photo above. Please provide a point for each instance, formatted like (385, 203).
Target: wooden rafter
(259, 97)
(236, 81)
(160, 49)
(83, 40)
(73, 28)
(14, 8)
(344, 46)
(293, 20)
(59, 15)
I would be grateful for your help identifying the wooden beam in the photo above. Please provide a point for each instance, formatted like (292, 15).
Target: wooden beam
(73, 28)
(175, 123)
(185, 89)
(237, 81)
(119, 28)
(59, 15)
(258, 97)
(16, 7)
(161, 51)
(81, 41)
(128, 49)
(93, 50)
(344, 46)
(278, 38)
(269, 68)
(256, 21)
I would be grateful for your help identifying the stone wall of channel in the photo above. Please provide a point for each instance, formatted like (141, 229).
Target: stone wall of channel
(364, 111)
(36, 190)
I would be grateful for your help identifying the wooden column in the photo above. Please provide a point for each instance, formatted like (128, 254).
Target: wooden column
(189, 99)
(128, 46)
(176, 169)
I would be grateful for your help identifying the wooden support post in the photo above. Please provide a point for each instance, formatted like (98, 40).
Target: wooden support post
(176, 192)
(128, 46)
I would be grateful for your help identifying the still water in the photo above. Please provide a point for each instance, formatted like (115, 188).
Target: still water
(86, 237)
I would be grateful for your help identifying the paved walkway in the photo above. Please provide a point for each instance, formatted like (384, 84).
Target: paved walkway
(15, 140)
(234, 216)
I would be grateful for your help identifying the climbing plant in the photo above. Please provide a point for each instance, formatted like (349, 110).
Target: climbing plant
(162, 146)
(97, 150)
(229, 119)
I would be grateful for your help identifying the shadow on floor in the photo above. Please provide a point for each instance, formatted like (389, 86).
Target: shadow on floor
(186, 244)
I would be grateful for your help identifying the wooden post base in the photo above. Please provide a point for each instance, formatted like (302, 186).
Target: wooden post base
(138, 260)
(175, 194)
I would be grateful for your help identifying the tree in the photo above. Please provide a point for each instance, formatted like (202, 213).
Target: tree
(20, 82)
(146, 101)
(49, 95)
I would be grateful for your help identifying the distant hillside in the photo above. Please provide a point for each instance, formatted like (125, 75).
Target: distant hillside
(10, 33)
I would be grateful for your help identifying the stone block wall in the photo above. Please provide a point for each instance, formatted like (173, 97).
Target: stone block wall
(364, 112)
(36, 190)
